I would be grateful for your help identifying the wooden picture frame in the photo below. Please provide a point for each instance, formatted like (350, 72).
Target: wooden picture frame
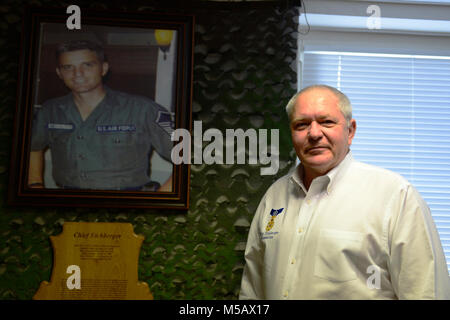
(140, 68)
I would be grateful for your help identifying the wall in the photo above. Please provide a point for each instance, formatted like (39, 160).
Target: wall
(242, 79)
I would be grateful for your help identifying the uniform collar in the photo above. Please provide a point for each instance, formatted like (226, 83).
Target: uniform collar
(69, 102)
(109, 98)
(66, 102)
(326, 182)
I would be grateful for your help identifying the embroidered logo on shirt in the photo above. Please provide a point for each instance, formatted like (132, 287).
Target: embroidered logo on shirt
(116, 128)
(60, 126)
(274, 213)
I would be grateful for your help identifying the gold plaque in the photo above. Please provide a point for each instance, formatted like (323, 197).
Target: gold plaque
(95, 261)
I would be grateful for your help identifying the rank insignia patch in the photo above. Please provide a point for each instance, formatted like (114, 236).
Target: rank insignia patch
(273, 213)
(166, 121)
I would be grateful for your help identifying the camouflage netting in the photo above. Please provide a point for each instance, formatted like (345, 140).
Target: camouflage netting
(244, 62)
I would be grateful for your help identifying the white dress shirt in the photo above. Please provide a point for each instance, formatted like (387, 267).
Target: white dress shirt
(359, 232)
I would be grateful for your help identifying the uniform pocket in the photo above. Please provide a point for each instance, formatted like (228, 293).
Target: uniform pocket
(61, 149)
(337, 254)
(121, 151)
(119, 140)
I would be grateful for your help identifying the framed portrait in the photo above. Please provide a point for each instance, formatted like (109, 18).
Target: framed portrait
(96, 107)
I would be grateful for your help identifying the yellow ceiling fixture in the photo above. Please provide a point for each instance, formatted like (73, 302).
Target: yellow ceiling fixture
(163, 39)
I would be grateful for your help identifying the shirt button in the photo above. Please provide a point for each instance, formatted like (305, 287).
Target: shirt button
(308, 202)
(300, 230)
(80, 137)
(292, 261)
(285, 294)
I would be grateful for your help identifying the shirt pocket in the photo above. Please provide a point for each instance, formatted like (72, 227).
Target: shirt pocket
(119, 139)
(337, 254)
(61, 148)
(120, 150)
(60, 137)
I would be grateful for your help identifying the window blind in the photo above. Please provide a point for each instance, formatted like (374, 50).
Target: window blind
(402, 107)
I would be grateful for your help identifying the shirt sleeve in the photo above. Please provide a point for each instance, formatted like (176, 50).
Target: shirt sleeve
(252, 280)
(39, 137)
(161, 126)
(417, 262)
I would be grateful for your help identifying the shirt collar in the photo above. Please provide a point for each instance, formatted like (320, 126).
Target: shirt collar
(109, 98)
(328, 180)
(66, 102)
(108, 101)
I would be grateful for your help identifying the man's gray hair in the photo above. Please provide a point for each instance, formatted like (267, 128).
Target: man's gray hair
(343, 101)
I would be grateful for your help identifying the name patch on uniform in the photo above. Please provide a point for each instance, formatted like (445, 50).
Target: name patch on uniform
(165, 121)
(60, 126)
(116, 128)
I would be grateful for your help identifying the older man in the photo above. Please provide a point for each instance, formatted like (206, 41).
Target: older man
(336, 228)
